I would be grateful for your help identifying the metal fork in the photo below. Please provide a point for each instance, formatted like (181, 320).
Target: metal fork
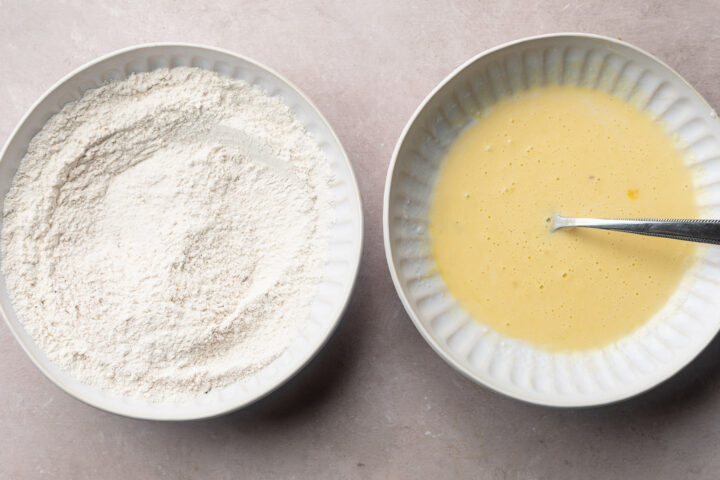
(691, 230)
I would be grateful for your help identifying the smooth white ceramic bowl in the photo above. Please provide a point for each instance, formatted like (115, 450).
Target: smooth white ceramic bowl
(653, 353)
(345, 243)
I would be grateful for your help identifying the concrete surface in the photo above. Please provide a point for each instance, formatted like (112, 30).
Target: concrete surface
(377, 403)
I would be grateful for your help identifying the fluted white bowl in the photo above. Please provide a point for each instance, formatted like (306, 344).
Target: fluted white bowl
(346, 234)
(651, 354)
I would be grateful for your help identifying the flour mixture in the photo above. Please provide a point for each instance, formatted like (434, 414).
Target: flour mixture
(164, 235)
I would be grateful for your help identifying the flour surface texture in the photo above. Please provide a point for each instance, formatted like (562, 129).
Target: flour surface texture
(164, 235)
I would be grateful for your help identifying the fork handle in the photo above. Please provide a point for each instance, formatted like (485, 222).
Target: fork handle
(692, 230)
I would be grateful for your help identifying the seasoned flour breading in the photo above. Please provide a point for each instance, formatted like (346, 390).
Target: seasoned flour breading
(164, 235)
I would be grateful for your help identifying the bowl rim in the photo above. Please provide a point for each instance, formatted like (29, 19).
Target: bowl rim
(355, 261)
(390, 257)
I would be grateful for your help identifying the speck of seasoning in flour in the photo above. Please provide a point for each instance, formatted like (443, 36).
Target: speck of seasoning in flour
(165, 234)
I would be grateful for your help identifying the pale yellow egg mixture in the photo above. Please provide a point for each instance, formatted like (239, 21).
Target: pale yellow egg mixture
(578, 152)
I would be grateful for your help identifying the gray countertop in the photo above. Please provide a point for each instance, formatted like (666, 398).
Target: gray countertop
(377, 402)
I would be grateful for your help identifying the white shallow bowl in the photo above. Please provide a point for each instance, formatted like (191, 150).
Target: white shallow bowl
(653, 353)
(345, 242)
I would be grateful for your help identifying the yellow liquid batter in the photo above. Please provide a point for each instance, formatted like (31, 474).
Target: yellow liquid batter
(578, 152)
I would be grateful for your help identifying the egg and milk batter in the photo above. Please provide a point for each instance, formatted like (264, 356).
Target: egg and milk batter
(578, 152)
